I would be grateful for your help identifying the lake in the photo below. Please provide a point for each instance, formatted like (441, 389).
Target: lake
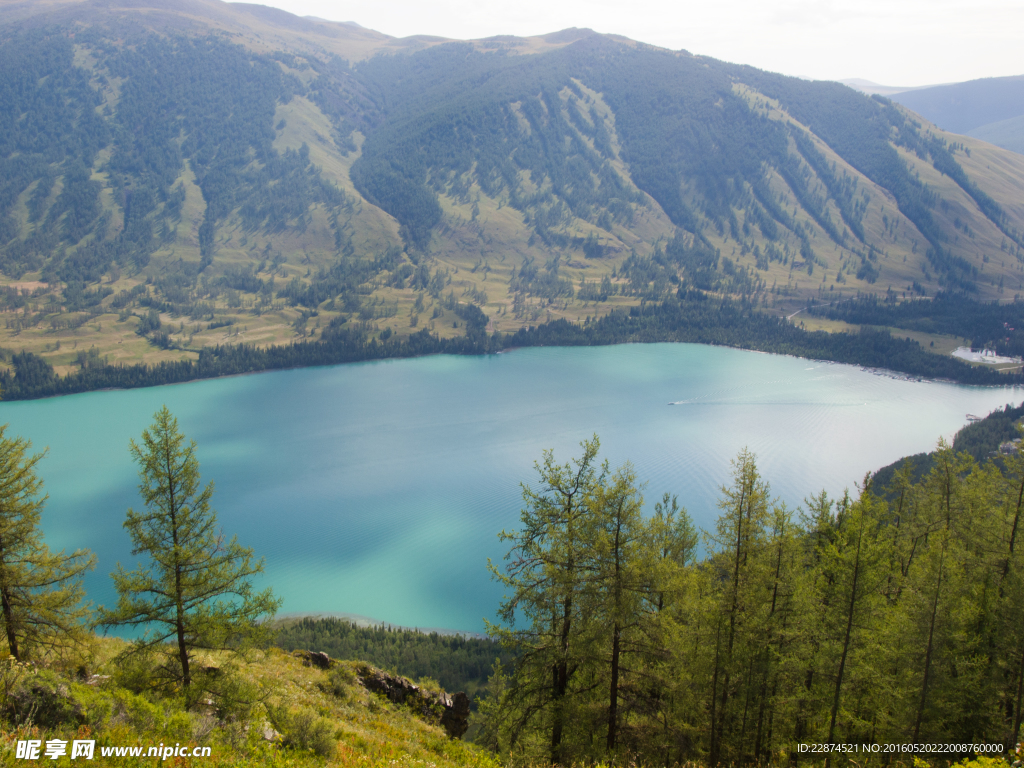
(379, 488)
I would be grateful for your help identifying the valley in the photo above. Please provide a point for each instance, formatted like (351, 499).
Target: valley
(209, 175)
(457, 264)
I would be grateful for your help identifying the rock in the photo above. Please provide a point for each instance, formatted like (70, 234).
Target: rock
(396, 689)
(317, 659)
(454, 708)
(456, 715)
(97, 680)
(269, 734)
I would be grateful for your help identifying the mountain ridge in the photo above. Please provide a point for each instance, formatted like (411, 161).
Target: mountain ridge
(226, 168)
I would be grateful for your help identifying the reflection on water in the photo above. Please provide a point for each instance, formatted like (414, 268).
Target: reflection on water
(378, 488)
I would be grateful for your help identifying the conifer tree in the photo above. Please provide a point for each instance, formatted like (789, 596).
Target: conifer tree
(893, 616)
(739, 544)
(545, 617)
(618, 572)
(197, 590)
(853, 603)
(40, 591)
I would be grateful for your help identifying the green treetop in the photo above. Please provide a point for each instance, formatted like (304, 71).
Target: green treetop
(40, 591)
(196, 591)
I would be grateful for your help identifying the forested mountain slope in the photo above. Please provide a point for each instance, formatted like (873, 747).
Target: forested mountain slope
(179, 175)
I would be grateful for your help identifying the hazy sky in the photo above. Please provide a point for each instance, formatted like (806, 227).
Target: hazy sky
(893, 42)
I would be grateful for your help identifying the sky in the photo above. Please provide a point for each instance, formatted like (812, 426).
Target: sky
(891, 42)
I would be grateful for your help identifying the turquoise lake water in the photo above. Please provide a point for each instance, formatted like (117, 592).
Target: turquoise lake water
(378, 488)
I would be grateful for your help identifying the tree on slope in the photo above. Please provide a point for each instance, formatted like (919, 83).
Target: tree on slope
(197, 590)
(550, 584)
(40, 591)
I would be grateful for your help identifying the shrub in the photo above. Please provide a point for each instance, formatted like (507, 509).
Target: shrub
(339, 681)
(303, 729)
(44, 700)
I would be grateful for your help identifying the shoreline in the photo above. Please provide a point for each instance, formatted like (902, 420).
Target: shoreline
(683, 321)
(892, 373)
(365, 622)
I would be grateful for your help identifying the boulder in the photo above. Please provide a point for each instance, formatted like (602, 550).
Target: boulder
(317, 659)
(451, 711)
(396, 689)
(455, 719)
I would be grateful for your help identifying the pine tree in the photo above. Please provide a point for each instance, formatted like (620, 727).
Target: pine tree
(40, 591)
(197, 590)
(618, 573)
(739, 545)
(545, 616)
(852, 566)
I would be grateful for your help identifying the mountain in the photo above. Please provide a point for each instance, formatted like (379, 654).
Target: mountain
(964, 107)
(991, 109)
(176, 175)
(872, 88)
(1008, 134)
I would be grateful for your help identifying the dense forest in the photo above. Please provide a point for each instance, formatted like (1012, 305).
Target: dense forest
(691, 316)
(458, 663)
(887, 617)
(985, 325)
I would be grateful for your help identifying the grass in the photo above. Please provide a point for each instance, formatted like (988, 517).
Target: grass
(271, 710)
(320, 717)
(936, 343)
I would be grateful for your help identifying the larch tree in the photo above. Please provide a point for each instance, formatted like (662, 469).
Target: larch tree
(739, 545)
(196, 593)
(544, 615)
(40, 591)
(619, 575)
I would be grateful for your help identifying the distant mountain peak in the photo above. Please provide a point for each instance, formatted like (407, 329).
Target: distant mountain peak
(872, 88)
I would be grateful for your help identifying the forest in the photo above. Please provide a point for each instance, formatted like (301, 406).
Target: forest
(986, 325)
(458, 663)
(690, 316)
(885, 616)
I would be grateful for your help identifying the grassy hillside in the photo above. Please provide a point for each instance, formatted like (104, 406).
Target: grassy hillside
(270, 710)
(1008, 133)
(198, 174)
(458, 663)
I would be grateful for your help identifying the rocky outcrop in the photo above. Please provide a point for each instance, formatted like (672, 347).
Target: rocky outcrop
(455, 719)
(451, 711)
(317, 659)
